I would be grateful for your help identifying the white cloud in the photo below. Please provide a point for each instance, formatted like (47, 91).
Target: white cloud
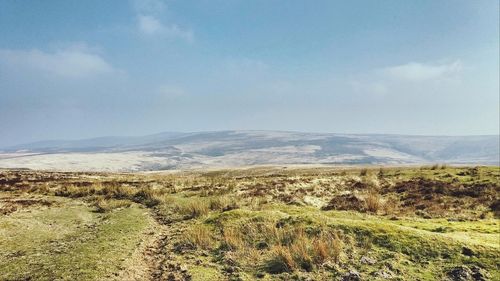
(401, 78)
(70, 62)
(149, 24)
(173, 30)
(415, 71)
(149, 21)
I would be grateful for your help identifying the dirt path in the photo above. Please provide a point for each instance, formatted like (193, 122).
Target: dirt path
(153, 260)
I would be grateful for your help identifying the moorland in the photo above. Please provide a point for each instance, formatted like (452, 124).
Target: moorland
(263, 223)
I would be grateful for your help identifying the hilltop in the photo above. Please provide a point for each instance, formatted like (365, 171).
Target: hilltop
(174, 151)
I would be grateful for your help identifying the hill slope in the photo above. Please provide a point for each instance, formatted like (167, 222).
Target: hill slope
(240, 148)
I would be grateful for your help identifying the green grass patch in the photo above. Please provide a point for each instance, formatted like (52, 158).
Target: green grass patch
(69, 241)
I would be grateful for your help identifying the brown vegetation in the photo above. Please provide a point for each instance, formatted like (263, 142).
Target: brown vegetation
(280, 222)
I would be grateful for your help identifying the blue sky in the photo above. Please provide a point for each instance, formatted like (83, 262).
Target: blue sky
(77, 69)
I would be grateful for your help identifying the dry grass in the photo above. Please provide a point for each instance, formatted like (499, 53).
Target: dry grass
(287, 235)
(321, 250)
(373, 202)
(148, 196)
(116, 191)
(256, 187)
(73, 191)
(255, 220)
(222, 203)
(281, 260)
(193, 208)
(106, 205)
(200, 236)
(257, 203)
(326, 247)
(336, 247)
(301, 250)
(233, 238)
(287, 246)
(314, 249)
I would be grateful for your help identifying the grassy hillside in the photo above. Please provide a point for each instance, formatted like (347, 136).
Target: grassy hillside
(429, 223)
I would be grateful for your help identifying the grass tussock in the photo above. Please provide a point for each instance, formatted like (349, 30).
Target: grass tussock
(232, 238)
(373, 202)
(281, 260)
(327, 246)
(192, 208)
(148, 196)
(116, 191)
(200, 236)
(106, 205)
(301, 250)
(222, 203)
(286, 246)
(74, 191)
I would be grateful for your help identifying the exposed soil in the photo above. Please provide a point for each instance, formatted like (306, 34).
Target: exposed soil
(345, 202)
(154, 259)
(11, 205)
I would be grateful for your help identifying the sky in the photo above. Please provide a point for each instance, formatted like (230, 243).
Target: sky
(72, 69)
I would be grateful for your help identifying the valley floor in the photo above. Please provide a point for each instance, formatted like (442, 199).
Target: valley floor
(428, 223)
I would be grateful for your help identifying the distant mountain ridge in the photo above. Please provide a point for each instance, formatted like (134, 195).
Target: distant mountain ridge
(173, 150)
(90, 144)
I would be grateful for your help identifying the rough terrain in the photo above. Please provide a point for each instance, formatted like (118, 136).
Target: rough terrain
(264, 223)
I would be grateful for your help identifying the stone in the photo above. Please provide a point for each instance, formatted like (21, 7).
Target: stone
(478, 273)
(385, 274)
(352, 275)
(367, 260)
(330, 266)
(460, 273)
(467, 251)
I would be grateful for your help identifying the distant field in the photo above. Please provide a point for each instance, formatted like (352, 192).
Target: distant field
(221, 149)
(406, 223)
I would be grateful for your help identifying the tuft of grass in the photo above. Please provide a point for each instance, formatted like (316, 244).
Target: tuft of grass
(148, 196)
(233, 238)
(74, 191)
(200, 236)
(106, 205)
(327, 246)
(192, 208)
(301, 253)
(336, 247)
(116, 191)
(321, 250)
(222, 203)
(281, 260)
(372, 202)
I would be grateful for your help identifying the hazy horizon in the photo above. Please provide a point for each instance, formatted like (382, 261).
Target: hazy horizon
(73, 70)
(255, 130)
